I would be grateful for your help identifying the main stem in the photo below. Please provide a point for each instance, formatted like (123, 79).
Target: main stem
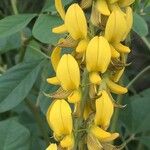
(79, 121)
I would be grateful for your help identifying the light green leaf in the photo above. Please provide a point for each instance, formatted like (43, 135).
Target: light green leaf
(42, 29)
(12, 24)
(140, 25)
(13, 136)
(17, 82)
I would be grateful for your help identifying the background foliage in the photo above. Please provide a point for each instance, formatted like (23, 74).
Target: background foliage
(26, 42)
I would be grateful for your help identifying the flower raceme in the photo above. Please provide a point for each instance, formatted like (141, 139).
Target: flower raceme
(88, 75)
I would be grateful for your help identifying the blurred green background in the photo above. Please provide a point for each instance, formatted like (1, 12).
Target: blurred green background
(26, 42)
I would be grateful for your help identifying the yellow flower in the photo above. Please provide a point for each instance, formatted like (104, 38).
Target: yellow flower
(116, 27)
(52, 147)
(98, 55)
(67, 74)
(115, 88)
(74, 23)
(102, 135)
(59, 118)
(104, 110)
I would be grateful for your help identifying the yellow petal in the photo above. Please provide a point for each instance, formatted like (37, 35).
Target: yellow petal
(116, 27)
(125, 3)
(53, 80)
(52, 147)
(59, 29)
(60, 8)
(103, 7)
(55, 57)
(114, 53)
(59, 117)
(121, 48)
(102, 135)
(82, 46)
(116, 77)
(74, 97)
(75, 22)
(67, 142)
(112, 1)
(68, 72)
(104, 110)
(129, 20)
(98, 55)
(95, 78)
(115, 88)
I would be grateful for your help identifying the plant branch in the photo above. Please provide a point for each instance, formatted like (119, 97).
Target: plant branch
(147, 43)
(137, 76)
(14, 6)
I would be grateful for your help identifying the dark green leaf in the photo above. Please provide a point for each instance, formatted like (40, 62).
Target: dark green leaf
(16, 83)
(33, 52)
(12, 24)
(13, 136)
(136, 116)
(140, 25)
(42, 29)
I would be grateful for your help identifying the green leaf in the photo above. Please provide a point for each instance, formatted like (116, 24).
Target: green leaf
(42, 29)
(50, 5)
(33, 52)
(12, 24)
(13, 136)
(140, 25)
(17, 82)
(145, 140)
(136, 116)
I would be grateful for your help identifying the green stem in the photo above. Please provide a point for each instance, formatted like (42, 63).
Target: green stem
(38, 119)
(126, 142)
(138, 76)
(14, 6)
(79, 121)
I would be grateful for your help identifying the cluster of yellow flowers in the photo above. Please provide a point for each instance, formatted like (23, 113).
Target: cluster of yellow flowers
(83, 106)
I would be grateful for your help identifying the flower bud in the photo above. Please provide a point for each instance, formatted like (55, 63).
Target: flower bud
(104, 110)
(98, 55)
(59, 118)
